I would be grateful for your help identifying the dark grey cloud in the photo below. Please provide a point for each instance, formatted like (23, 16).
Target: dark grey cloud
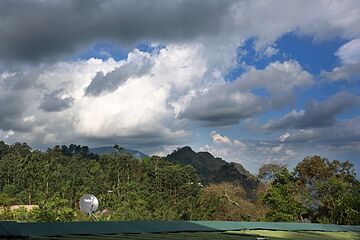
(315, 114)
(135, 67)
(54, 102)
(342, 133)
(140, 140)
(12, 108)
(37, 30)
(230, 103)
(21, 81)
(16, 92)
(223, 106)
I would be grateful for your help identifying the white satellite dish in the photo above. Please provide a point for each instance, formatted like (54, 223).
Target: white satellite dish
(88, 203)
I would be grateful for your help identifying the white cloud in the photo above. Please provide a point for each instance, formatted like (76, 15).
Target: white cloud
(228, 103)
(184, 80)
(346, 72)
(270, 51)
(277, 77)
(217, 138)
(349, 53)
(9, 134)
(138, 112)
(29, 118)
(283, 137)
(239, 144)
(267, 20)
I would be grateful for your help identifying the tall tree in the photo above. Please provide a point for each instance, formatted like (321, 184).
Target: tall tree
(327, 187)
(281, 199)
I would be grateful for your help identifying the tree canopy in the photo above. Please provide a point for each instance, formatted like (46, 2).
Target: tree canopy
(154, 188)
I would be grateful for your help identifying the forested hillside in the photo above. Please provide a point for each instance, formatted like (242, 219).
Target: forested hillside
(216, 170)
(183, 186)
(111, 149)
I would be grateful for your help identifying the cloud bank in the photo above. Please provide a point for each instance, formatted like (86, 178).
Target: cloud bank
(156, 100)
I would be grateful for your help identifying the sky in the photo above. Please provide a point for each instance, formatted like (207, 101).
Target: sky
(253, 82)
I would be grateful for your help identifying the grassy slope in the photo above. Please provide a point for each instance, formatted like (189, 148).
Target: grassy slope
(304, 235)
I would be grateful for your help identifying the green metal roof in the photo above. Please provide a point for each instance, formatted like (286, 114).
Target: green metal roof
(155, 229)
(153, 236)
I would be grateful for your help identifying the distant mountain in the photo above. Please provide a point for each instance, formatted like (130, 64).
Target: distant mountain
(215, 170)
(108, 149)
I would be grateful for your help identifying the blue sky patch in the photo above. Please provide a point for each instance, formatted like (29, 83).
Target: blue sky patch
(313, 56)
(105, 50)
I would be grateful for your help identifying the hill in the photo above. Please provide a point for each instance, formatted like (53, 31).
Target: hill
(215, 170)
(108, 149)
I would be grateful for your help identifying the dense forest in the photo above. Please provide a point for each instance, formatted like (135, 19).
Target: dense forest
(182, 186)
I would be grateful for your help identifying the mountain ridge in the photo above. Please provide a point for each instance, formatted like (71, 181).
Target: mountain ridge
(110, 149)
(215, 170)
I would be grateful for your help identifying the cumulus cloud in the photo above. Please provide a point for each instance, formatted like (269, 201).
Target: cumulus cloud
(228, 103)
(346, 72)
(137, 65)
(150, 100)
(138, 112)
(316, 114)
(217, 138)
(222, 106)
(349, 54)
(265, 20)
(277, 77)
(343, 133)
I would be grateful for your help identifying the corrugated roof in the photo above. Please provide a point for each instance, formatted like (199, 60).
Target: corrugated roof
(154, 229)
(153, 236)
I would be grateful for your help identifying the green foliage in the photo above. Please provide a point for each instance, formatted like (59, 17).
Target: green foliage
(226, 201)
(319, 190)
(128, 189)
(54, 209)
(280, 198)
(155, 188)
(267, 171)
(215, 170)
(341, 205)
(329, 189)
(21, 214)
(6, 200)
(6, 214)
